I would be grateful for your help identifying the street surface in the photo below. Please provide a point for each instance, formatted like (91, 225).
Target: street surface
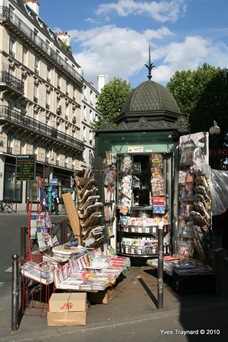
(131, 316)
(10, 231)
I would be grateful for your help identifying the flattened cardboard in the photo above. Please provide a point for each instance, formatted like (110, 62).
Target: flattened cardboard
(72, 215)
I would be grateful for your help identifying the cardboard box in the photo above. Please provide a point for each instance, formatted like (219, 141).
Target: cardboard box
(68, 302)
(102, 297)
(66, 318)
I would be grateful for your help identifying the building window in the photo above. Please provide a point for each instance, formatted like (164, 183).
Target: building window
(35, 93)
(49, 74)
(36, 115)
(11, 47)
(11, 71)
(35, 33)
(47, 46)
(40, 22)
(11, 12)
(24, 56)
(51, 33)
(36, 62)
(47, 100)
(84, 133)
(58, 81)
(74, 94)
(36, 65)
(12, 188)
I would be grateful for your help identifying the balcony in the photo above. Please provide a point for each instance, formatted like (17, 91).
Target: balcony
(12, 82)
(24, 30)
(17, 119)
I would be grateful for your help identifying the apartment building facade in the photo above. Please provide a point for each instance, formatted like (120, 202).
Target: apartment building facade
(46, 106)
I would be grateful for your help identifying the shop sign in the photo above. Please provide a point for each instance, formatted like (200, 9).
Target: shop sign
(218, 152)
(135, 149)
(54, 181)
(25, 167)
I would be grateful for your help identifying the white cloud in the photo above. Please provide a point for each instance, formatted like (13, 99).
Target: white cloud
(123, 52)
(117, 52)
(160, 11)
(189, 55)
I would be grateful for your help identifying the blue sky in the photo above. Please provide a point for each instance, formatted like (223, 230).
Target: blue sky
(111, 37)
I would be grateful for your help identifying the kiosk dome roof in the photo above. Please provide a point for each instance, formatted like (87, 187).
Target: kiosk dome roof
(150, 96)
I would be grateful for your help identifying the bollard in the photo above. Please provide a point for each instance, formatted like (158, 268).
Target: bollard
(160, 265)
(15, 293)
(27, 205)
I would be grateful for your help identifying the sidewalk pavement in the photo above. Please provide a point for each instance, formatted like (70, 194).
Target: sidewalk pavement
(133, 315)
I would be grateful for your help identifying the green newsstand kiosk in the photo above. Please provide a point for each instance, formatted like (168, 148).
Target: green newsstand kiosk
(137, 170)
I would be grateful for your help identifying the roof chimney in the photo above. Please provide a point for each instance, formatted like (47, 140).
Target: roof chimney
(33, 4)
(101, 80)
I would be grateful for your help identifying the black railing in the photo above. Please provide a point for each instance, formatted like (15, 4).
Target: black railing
(11, 81)
(6, 13)
(34, 125)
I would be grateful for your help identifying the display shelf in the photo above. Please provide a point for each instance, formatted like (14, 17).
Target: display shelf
(89, 209)
(194, 213)
(134, 230)
(141, 193)
(144, 256)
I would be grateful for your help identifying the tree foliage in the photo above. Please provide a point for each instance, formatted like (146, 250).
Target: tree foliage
(111, 100)
(202, 96)
(65, 47)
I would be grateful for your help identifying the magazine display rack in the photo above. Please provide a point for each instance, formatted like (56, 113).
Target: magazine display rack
(142, 205)
(89, 210)
(195, 214)
(194, 197)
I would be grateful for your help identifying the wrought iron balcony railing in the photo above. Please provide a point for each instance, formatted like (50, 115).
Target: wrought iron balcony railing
(15, 117)
(19, 25)
(11, 81)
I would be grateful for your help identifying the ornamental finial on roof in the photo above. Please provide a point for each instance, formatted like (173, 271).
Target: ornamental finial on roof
(150, 66)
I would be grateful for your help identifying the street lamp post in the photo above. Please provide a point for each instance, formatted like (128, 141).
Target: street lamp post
(214, 150)
(215, 129)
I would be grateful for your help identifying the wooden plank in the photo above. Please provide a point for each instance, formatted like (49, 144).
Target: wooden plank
(72, 215)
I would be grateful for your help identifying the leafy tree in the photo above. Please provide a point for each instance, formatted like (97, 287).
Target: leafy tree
(202, 96)
(212, 105)
(111, 100)
(188, 86)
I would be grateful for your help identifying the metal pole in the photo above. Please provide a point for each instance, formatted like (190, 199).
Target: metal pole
(64, 231)
(15, 292)
(160, 265)
(23, 242)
